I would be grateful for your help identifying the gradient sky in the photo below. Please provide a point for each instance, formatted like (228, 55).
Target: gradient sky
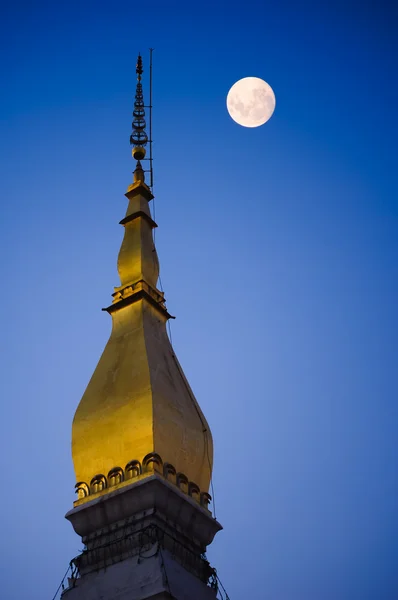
(278, 249)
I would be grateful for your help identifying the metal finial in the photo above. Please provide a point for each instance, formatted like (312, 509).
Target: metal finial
(138, 69)
(139, 138)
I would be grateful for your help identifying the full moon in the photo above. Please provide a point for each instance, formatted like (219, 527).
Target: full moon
(251, 102)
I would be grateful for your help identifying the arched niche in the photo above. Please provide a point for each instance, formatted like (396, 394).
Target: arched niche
(205, 500)
(182, 482)
(115, 476)
(82, 490)
(194, 491)
(170, 473)
(98, 484)
(133, 469)
(152, 462)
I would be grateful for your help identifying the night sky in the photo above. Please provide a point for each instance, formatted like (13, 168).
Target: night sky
(278, 249)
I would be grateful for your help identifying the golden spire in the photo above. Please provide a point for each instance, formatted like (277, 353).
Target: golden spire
(138, 414)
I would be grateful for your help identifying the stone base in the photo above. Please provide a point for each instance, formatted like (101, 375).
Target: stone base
(143, 541)
(157, 576)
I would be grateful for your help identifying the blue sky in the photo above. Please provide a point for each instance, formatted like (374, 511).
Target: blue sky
(278, 249)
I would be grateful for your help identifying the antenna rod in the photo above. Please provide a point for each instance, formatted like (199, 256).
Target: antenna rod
(150, 114)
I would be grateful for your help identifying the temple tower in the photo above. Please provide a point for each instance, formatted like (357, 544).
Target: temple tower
(141, 446)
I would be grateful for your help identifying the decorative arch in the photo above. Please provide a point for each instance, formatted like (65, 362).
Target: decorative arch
(205, 500)
(152, 462)
(182, 482)
(169, 472)
(98, 484)
(115, 476)
(82, 490)
(194, 491)
(133, 469)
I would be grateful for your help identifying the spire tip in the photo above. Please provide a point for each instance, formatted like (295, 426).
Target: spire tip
(139, 138)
